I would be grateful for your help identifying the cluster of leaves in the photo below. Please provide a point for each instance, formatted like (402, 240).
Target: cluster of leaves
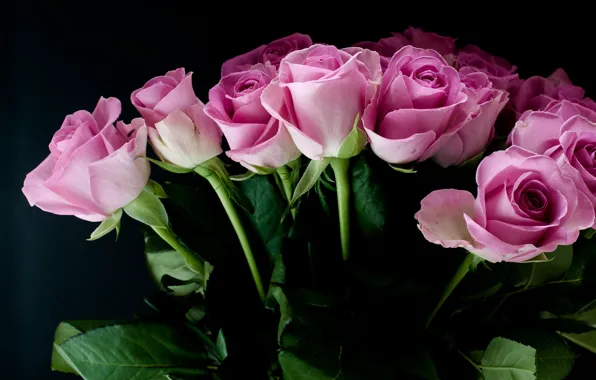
(326, 319)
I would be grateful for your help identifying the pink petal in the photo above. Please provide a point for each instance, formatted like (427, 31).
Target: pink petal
(242, 61)
(107, 111)
(182, 96)
(538, 132)
(400, 151)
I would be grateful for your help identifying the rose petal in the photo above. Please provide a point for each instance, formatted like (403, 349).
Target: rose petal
(538, 132)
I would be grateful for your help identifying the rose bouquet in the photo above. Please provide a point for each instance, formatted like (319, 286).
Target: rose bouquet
(314, 248)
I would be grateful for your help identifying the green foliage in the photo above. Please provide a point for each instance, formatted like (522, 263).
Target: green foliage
(354, 142)
(506, 359)
(169, 167)
(107, 226)
(148, 209)
(310, 176)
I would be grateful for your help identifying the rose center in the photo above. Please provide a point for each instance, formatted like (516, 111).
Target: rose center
(324, 62)
(247, 86)
(535, 200)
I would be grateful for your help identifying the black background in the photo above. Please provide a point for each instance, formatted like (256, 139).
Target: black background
(57, 57)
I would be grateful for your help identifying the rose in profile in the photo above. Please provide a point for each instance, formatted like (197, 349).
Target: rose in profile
(536, 92)
(478, 130)
(319, 93)
(186, 138)
(92, 169)
(500, 72)
(420, 104)
(256, 139)
(271, 53)
(525, 206)
(163, 95)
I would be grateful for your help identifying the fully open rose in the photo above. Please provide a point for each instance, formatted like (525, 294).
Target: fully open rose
(420, 104)
(254, 136)
(92, 169)
(525, 206)
(320, 92)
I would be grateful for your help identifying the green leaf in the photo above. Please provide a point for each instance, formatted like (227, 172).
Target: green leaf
(295, 368)
(141, 350)
(474, 160)
(295, 166)
(148, 209)
(163, 260)
(401, 169)
(262, 170)
(585, 340)
(554, 360)
(169, 167)
(111, 223)
(156, 189)
(589, 233)
(354, 142)
(369, 199)
(506, 359)
(221, 346)
(556, 265)
(268, 209)
(243, 177)
(65, 331)
(309, 178)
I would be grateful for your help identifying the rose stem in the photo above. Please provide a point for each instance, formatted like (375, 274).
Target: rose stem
(226, 202)
(340, 169)
(284, 175)
(190, 257)
(455, 280)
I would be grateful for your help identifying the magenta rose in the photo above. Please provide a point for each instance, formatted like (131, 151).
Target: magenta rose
(164, 94)
(386, 47)
(478, 130)
(271, 53)
(254, 136)
(319, 93)
(427, 40)
(420, 104)
(536, 92)
(92, 169)
(471, 58)
(564, 134)
(525, 206)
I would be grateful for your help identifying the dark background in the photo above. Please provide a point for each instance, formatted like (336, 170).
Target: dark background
(57, 57)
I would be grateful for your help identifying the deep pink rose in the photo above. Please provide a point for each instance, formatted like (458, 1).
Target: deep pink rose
(254, 136)
(386, 47)
(427, 40)
(162, 95)
(471, 58)
(525, 206)
(564, 134)
(273, 53)
(319, 93)
(420, 104)
(92, 168)
(486, 103)
(536, 92)
(186, 138)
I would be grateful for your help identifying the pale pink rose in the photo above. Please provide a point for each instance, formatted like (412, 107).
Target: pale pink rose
(525, 206)
(503, 74)
(420, 104)
(536, 92)
(254, 136)
(478, 131)
(186, 138)
(92, 169)
(319, 93)
(163, 95)
(566, 132)
(271, 53)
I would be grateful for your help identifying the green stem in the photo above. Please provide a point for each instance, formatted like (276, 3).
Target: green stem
(226, 202)
(190, 257)
(455, 280)
(284, 176)
(342, 181)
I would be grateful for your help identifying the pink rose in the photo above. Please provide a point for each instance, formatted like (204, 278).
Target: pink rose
(162, 95)
(186, 138)
(537, 92)
(477, 131)
(420, 104)
(92, 168)
(564, 134)
(254, 136)
(525, 206)
(427, 40)
(319, 93)
(273, 53)
(471, 58)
